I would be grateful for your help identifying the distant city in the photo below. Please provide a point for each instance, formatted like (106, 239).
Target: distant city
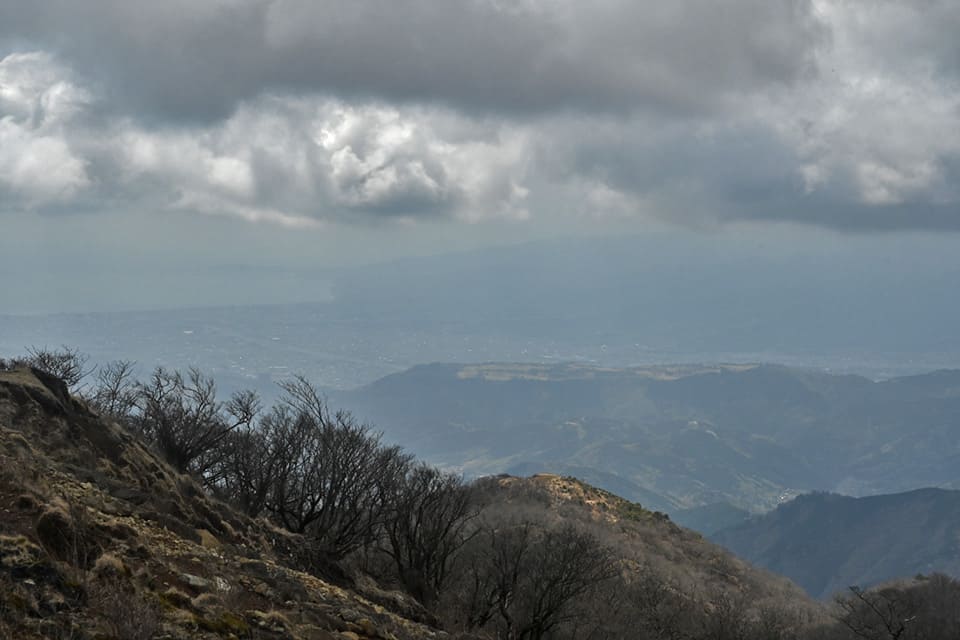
(611, 302)
(256, 346)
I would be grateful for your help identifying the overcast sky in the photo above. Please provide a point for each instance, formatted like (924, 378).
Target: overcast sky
(138, 134)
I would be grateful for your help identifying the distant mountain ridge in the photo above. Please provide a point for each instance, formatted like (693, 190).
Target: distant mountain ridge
(679, 437)
(827, 542)
(711, 518)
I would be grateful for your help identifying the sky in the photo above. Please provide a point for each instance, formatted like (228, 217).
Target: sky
(183, 138)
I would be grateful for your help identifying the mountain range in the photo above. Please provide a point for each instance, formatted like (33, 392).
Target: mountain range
(826, 542)
(678, 437)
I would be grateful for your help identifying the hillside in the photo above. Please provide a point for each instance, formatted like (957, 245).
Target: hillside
(827, 542)
(711, 518)
(100, 535)
(643, 537)
(679, 437)
(100, 538)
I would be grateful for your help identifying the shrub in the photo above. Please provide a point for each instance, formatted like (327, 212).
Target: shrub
(109, 566)
(124, 612)
(67, 363)
(68, 535)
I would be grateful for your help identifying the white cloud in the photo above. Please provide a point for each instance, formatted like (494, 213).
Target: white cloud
(38, 168)
(887, 125)
(286, 159)
(36, 91)
(37, 102)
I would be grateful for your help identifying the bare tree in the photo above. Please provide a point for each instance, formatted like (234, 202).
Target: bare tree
(184, 419)
(660, 607)
(67, 363)
(492, 573)
(431, 513)
(925, 608)
(334, 478)
(294, 500)
(726, 615)
(567, 564)
(526, 580)
(878, 614)
(247, 467)
(115, 391)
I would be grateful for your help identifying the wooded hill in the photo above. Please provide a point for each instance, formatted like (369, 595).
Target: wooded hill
(826, 542)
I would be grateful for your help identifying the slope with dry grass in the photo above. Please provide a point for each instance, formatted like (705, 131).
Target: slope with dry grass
(99, 538)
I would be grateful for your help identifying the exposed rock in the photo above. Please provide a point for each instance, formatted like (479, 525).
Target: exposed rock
(196, 581)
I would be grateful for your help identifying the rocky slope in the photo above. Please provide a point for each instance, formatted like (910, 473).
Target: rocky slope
(101, 539)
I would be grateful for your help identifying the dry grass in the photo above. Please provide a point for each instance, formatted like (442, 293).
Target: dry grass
(124, 612)
(109, 566)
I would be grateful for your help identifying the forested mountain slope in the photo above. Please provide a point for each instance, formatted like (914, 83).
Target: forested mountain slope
(826, 542)
(679, 437)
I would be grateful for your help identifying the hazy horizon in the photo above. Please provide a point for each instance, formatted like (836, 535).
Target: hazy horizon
(878, 306)
(770, 181)
(178, 155)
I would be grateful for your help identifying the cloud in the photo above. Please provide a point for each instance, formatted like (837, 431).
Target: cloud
(197, 60)
(296, 161)
(882, 128)
(872, 142)
(37, 164)
(302, 113)
(382, 160)
(328, 160)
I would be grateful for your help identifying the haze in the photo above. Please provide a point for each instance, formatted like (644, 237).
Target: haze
(786, 165)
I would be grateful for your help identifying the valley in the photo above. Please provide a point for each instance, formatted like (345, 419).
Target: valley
(674, 438)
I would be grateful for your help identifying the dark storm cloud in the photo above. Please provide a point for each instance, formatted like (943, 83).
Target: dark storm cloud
(914, 36)
(747, 171)
(180, 59)
(835, 113)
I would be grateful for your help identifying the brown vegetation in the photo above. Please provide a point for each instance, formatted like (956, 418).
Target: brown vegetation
(205, 519)
(100, 538)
